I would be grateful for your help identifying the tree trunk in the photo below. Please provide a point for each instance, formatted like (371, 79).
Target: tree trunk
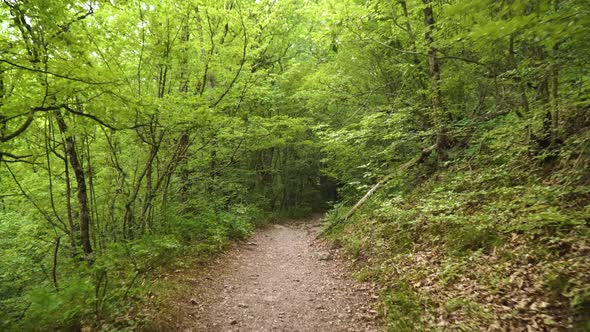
(412, 36)
(69, 199)
(81, 186)
(440, 116)
(555, 85)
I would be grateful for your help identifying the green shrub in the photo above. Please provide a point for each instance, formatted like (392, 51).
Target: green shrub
(402, 308)
(464, 237)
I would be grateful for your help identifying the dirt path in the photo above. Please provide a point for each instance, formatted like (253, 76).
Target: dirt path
(282, 279)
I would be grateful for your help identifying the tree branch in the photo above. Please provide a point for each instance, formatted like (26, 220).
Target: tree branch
(242, 62)
(35, 70)
(452, 57)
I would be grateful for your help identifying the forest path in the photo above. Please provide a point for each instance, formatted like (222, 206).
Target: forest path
(281, 279)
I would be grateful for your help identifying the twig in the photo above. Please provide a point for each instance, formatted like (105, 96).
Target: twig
(35, 70)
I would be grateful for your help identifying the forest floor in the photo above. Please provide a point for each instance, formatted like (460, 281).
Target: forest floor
(281, 279)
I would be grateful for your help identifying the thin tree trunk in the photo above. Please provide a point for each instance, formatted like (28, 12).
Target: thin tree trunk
(97, 232)
(128, 217)
(524, 102)
(555, 85)
(54, 267)
(412, 37)
(81, 186)
(440, 116)
(69, 199)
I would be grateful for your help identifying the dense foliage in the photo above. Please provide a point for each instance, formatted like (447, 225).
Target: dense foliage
(474, 117)
(132, 132)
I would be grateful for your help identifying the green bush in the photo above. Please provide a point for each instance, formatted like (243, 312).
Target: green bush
(466, 236)
(402, 308)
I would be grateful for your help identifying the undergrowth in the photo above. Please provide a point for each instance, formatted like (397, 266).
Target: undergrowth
(109, 293)
(474, 248)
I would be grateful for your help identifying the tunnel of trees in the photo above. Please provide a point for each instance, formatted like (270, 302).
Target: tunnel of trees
(133, 132)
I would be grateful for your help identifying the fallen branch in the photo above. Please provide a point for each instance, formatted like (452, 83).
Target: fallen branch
(417, 160)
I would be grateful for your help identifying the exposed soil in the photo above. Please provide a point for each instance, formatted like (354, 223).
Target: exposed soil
(281, 279)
